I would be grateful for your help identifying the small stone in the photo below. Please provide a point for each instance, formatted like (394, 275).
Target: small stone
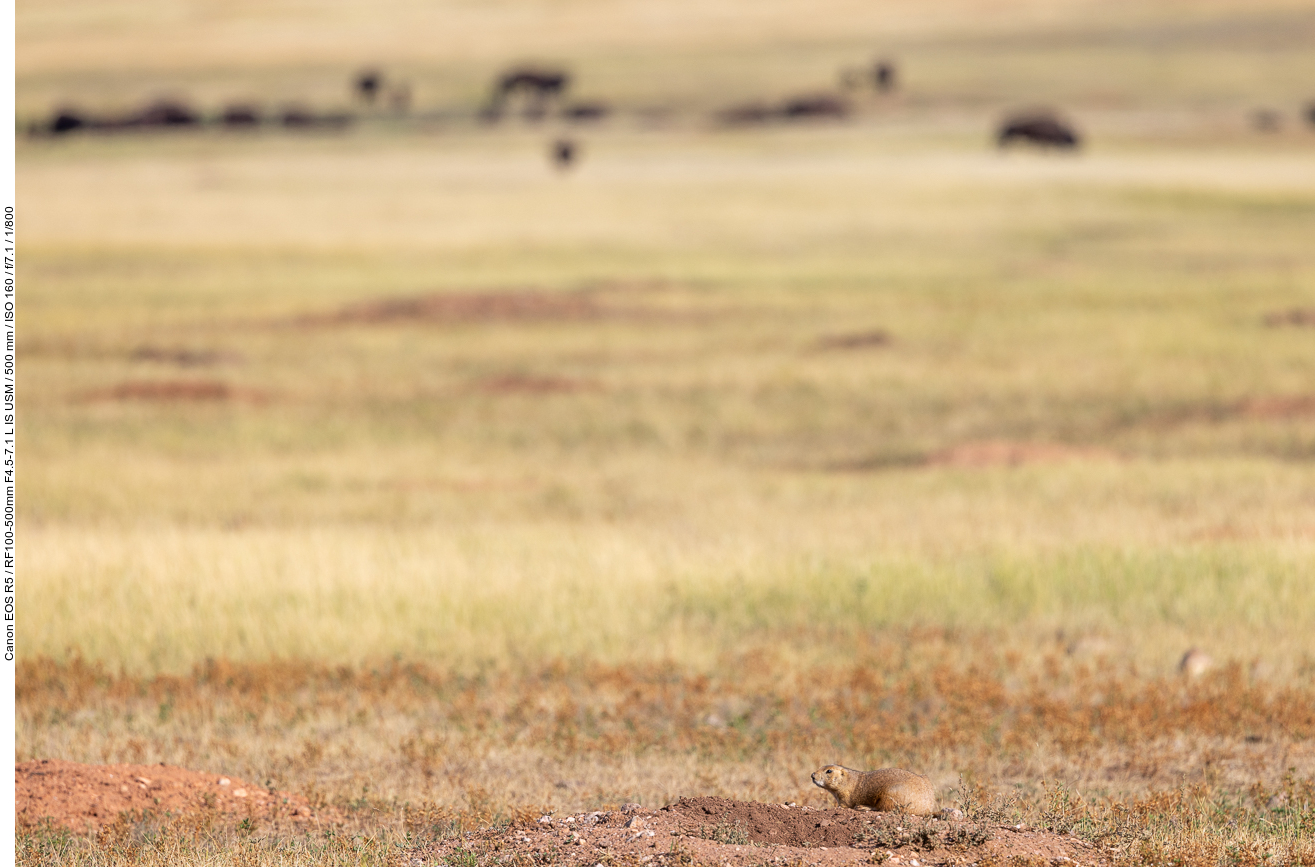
(224, 781)
(239, 793)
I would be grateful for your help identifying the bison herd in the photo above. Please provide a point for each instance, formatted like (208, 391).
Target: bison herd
(177, 114)
(535, 93)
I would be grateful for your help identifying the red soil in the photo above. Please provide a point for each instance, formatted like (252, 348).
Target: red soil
(692, 831)
(86, 797)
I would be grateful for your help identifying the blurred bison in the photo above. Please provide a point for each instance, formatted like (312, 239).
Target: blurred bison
(540, 86)
(162, 113)
(67, 120)
(581, 112)
(822, 106)
(367, 84)
(240, 116)
(813, 107)
(165, 112)
(1041, 128)
(564, 154)
(883, 75)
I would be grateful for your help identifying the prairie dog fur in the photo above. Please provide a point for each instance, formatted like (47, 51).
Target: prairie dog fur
(885, 789)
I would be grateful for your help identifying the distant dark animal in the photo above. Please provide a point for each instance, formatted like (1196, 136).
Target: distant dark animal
(813, 107)
(1041, 129)
(165, 112)
(1266, 120)
(368, 83)
(586, 111)
(297, 116)
(67, 120)
(162, 113)
(1310, 113)
(564, 154)
(883, 75)
(540, 86)
(240, 116)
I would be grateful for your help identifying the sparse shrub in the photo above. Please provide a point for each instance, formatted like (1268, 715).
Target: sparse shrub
(965, 836)
(460, 857)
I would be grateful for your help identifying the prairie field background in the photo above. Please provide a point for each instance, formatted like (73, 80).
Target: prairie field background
(392, 466)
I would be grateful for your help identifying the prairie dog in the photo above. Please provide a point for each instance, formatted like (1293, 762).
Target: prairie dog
(885, 789)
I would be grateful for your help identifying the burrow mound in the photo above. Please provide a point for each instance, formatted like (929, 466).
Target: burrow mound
(87, 797)
(724, 820)
(721, 831)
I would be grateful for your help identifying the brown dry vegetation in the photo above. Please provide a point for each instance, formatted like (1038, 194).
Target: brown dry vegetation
(1216, 769)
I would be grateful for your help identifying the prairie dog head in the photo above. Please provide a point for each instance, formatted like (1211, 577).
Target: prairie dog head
(832, 778)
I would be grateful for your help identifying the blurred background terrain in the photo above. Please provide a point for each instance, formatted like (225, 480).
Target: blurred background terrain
(777, 369)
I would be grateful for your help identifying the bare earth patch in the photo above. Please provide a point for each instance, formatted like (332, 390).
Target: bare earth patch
(721, 831)
(854, 340)
(175, 391)
(87, 797)
(529, 305)
(520, 383)
(1297, 317)
(1003, 453)
(181, 357)
(1280, 408)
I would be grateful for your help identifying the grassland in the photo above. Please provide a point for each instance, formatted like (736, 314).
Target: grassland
(729, 453)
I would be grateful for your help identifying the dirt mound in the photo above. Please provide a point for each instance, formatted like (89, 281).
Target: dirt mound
(173, 390)
(517, 383)
(1002, 453)
(855, 340)
(722, 831)
(769, 823)
(86, 797)
(181, 357)
(506, 306)
(1297, 317)
(1279, 407)
(527, 306)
